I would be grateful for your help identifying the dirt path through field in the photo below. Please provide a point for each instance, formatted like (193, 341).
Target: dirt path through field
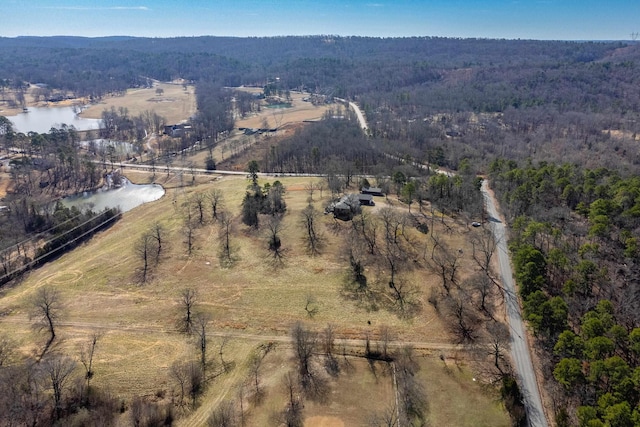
(241, 335)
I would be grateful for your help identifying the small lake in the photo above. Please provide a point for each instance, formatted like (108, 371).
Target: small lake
(126, 197)
(42, 119)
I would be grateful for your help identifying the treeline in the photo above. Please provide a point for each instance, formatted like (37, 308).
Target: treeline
(575, 252)
(48, 166)
(72, 227)
(120, 125)
(497, 72)
(50, 163)
(215, 114)
(334, 144)
(58, 232)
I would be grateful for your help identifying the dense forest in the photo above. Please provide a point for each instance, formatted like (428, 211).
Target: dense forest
(507, 109)
(480, 98)
(575, 251)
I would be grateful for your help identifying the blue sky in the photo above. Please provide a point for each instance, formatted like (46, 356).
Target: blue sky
(511, 19)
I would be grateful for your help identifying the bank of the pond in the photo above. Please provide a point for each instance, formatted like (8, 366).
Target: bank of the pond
(125, 197)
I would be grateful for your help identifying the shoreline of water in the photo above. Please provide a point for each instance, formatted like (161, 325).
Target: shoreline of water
(126, 197)
(42, 119)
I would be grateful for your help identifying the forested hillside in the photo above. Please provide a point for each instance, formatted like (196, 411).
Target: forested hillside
(480, 98)
(575, 251)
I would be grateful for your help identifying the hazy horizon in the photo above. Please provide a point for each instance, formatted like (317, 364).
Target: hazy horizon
(491, 19)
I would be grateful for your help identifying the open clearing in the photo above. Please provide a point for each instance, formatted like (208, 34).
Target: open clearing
(277, 117)
(176, 103)
(249, 303)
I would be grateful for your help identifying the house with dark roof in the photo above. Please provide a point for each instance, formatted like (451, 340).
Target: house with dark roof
(366, 200)
(177, 130)
(374, 191)
(349, 206)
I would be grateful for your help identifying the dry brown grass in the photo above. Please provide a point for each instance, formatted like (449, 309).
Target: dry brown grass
(175, 104)
(250, 302)
(5, 181)
(278, 117)
(457, 398)
(454, 398)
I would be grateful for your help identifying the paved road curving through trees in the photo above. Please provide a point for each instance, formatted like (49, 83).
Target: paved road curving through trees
(520, 352)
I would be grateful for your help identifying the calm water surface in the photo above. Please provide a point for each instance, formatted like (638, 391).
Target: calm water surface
(126, 197)
(42, 119)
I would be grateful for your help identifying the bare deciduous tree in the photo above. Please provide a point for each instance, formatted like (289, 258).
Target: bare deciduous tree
(395, 259)
(411, 393)
(312, 236)
(188, 299)
(484, 245)
(273, 229)
(386, 418)
(201, 325)
(255, 363)
(499, 338)
(367, 227)
(189, 378)
(393, 224)
(304, 344)
(180, 373)
(23, 400)
(223, 416)
(386, 336)
(216, 201)
(465, 321)
(226, 228)
(311, 188)
(482, 284)
(158, 233)
(47, 309)
(188, 230)
(87, 351)
(58, 369)
(196, 381)
(146, 249)
(446, 264)
(199, 200)
(328, 344)
(292, 415)
(146, 413)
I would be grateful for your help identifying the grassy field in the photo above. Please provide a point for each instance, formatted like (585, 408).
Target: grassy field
(277, 117)
(176, 102)
(250, 302)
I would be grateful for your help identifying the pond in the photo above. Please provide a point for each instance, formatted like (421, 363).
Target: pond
(126, 197)
(42, 119)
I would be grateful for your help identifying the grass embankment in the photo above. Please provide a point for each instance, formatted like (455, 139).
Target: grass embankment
(249, 303)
